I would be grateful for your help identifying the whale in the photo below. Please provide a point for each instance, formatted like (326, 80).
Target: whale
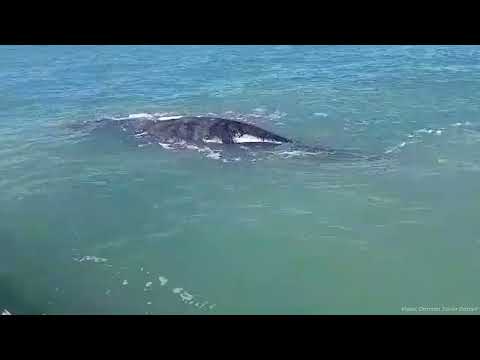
(205, 132)
(196, 130)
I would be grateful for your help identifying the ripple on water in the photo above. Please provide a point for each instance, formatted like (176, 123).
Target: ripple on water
(183, 295)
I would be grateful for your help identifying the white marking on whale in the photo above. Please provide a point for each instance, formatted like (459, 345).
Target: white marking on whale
(141, 134)
(162, 118)
(246, 138)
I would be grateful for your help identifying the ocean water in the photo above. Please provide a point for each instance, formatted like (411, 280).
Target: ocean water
(94, 224)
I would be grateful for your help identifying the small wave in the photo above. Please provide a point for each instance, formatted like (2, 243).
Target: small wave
(155, 116)
(430, 131)
(134, 116)
(140, 115)
(396, 147)
(294, 211)
(6, 312)
(458, 124)
(208, 152)
(91, 259)
(296, 153)
(416, 134)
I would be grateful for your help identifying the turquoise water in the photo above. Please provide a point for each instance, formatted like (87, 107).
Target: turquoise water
(93, 224)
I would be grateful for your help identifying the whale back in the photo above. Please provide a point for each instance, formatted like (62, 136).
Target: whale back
(203, 129)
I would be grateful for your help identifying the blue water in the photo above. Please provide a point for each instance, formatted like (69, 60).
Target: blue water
(93, 224)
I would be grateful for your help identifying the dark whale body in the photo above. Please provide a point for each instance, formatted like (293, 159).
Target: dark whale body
(198, 130)
(217, 133)
(207, 130)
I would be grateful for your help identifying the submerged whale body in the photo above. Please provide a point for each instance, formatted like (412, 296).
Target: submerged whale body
(207, 134)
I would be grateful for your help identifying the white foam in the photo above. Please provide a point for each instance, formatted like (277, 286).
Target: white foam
(140, 115)
(320, 114)
(210, 153)
(92, 258)
(214, 155)
(6, 312)
(183, 295)
(427, 131)
(466, 123)
(296, 153)
(186, 296)
(192, 147)
(278, 114)
(290, 153)
(156, 116)
(395, 148)
(163, 280)
(200, 306)
(141, 134)
(165, 146)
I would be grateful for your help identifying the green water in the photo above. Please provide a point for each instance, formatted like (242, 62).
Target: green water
(87, 222)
